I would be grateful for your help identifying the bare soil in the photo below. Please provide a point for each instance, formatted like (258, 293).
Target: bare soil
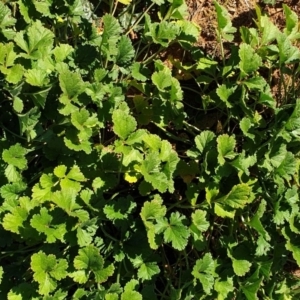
(242, 12)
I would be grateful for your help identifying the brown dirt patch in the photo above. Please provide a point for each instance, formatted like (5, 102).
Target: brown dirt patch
(242, 13)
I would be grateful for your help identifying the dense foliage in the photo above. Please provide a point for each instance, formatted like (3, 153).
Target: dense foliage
(120, 179)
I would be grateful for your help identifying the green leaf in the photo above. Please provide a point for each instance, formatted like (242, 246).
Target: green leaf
(199, 220)
(71, 84)
(1, 274)
(13, 221)
(249, 60)
(42, 223)
(174, 231)
(240, 266)
(226, 146)
(36, 77)
(62, 51)
(287, 52)
(6, 19)
(15, 156)
(124, 124)
(148, 270)
(89, 259)
(28, 122)
(18, 104)
(125, 51)
(140, 72)
(15, 74)
(150, 213)
(225, 27)
(291, 23)
(204, 140)
(204, 271)
(223, 288)
(47, 269)
(38, 41)
(119, 209)
(65, 199)
(224, 91)
(238, 197)
(111, 27)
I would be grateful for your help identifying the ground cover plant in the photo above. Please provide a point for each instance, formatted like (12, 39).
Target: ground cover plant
(130, 173)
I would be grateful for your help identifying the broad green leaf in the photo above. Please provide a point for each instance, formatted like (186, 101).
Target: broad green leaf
(47, 269)
(148, 270)
(243, 163)
(71, 84)
(15, 156)
(37, 42)
(18, 104)
(204, 271)
(42, 223)
(65, 199)
(175, 231)
(89, 259)
(199, 220)
(7, 55)
(226, 146)
(151, 211)
(269, 30)
(125, 51)
(15, 74)
(12, 174)
(119, 209)
(60, 171)
(12, 191)
(287, 52)
(291, 23)
(245, 125)
(112, 28)
(131, 295)
(13, 221)
(36, 77)
(124, 124)
(162, 79)
(6, 18)
(204, 140)
(139, 72)
(223, 288)
(62, 51)
(249, 60)
(224, 91)
(240, 266)
(238, 197)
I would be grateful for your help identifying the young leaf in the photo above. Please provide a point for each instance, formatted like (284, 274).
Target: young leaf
(89, 259)
(148, 270)
(226, 145)
(199, 220)
(15, 156)
(42, 223)
(204, 271)
(238, 197)
(174, 231)
(249, 60)
(225, 27)
(71, 84)
(204, 140)
(223, 288)
(47, 269)
(125, 51)
(124, 124)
